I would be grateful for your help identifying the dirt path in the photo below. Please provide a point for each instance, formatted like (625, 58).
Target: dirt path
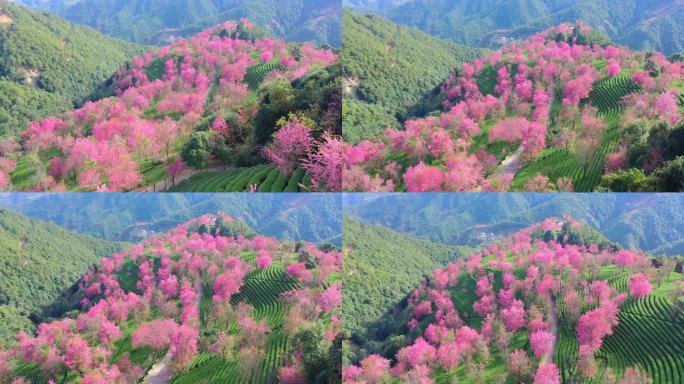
(161, 372)
(512, 163)
(553, 320)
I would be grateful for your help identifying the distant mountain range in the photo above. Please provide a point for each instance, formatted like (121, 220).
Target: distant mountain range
(132, 217)
(650, 222)
(159, 21)
(639, 24)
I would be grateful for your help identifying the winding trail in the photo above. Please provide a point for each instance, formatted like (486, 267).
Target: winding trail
(553, 320)
(161, 372)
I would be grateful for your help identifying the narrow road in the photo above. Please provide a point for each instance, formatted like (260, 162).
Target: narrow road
(161, 372)
(553, 320)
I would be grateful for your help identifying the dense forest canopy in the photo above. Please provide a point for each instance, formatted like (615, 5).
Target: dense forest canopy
(40, 263)
(49, 65)
(388, 70)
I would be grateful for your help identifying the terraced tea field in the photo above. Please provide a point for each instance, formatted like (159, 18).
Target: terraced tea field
(557, 162)
(266, 178)
(262, 290)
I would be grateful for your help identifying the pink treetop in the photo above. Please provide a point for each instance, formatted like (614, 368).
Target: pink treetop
(624, 258)
(483, 286)
(486, 304)
(177, 168)
(518, 361)
(78, 355)
(331, 298)
(643, 79)
(639, 286)
(291, 144)
(263, 260)
(616, 160)
(594, 326)
(419, 353)
(325, 165)
(422, 178)
(613, 67)
(220, 126)
(184, 345)
(227, 284)
(547, 374)
(514, 316)
(668, 107)
(169, 286)
(300, 272)
(541, 343)
(423, 309)
(375, 369)
(156, 333)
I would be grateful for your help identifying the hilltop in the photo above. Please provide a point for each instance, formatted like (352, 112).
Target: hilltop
(554, 302)
(563, 110)
(49, 65)
(387, 71)
(40, 263)
(205, 301)
(228, 100)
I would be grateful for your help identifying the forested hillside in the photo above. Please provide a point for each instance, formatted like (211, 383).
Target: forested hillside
(39, 263)
(563, 110)
(636, 221)
(639, 24)
(49, 65)
(396, 263)
(203, 302)
(553, 303)
(388, 70)
(159, 21)
(264, 112)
